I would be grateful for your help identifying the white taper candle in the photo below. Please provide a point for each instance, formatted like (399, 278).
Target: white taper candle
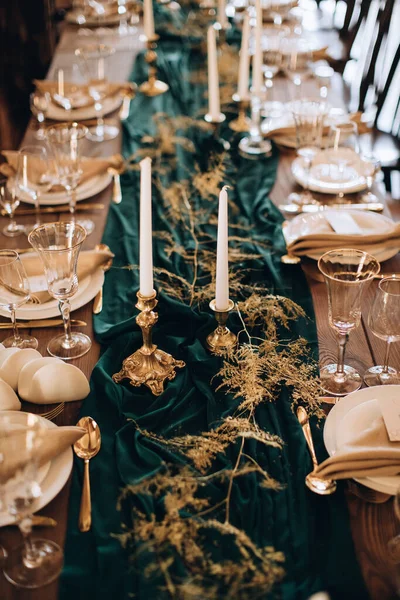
(146, 232)
(222, 274)
(214, 108)
(244, 64)
(257, 59)
(222, 20)
(148, 19)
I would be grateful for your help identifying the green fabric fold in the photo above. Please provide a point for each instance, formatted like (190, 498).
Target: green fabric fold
(313, 532)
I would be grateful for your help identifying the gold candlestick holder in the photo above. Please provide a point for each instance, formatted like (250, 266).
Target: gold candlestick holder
(153, 87)
(221, 340)
(148, 365)
(242, 123)
(216, 123)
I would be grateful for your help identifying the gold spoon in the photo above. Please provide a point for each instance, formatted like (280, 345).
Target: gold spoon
(324, 487)
(86, 448)
(98, 299)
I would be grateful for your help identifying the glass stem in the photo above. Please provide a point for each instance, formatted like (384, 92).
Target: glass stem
(386, 359)
(307, 174)
(65, 309)
(72, 201)
(37, 210)
(255, 119)
(30, 558)
(17, 337)
(343, 338)
(100, 120)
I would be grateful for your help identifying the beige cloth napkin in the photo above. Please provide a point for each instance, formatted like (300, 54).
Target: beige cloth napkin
(54, 442)
(369, 454)
(88, 262)
(290, 130)
(91, 167)
(323, 239)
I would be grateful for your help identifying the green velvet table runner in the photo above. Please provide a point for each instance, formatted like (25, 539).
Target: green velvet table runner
(312, 532)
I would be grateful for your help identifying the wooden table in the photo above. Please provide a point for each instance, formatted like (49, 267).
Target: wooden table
(372, 524)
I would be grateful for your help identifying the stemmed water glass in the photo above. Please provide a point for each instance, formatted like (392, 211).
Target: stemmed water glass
(343, 150)
(38, 561)
(371, 167)
(10, 202)
(40, 102)
(33, 177)
(66, 141)
(296, 60)
(308, 117)
(384, 322)
(58, 245)
(347, 273)
(14, 292)
(272, 62)
(94, 60)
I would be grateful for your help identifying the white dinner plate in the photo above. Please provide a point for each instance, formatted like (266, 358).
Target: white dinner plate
(57, 113)
(86, 190)
(87, 290)
(309, 223)
(324, 176)
(56, 477)
(352, 415)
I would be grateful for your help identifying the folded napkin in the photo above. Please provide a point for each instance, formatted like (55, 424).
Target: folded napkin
(378, 234)
(88, 262)
(91, 167)
(81, 90)
(369, 454)
(54, 442)
(290, 130)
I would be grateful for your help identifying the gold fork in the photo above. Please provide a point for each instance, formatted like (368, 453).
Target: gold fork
(52, 414)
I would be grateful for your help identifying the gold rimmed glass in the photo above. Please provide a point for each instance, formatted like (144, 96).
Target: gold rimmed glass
(58, 245)
(34, 176)
(66, 141)
(14, 292)
(10, 202)
(308, 115)
(347, 273)
(36, 562)
(95, 62)
(384, 322)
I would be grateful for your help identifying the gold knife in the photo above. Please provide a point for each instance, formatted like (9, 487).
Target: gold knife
(297, 209)
(64, 208)
(43, 323)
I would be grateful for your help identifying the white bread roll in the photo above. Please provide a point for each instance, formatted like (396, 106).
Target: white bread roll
(56, 382)
(8, 398)
(11, 362)
(28, 371)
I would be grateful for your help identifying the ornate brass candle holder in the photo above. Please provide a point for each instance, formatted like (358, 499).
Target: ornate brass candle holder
(148, 365)
(153, 87)
(221, 340)
(242, 123)
(216, 122)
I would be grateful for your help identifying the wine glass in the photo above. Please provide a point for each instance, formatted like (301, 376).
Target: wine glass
(308, 117)
(343, 148)
(40, 102)
(38, 561)
(58, 245)
(384, 322)
(94, 60)
(33, 177)
(347, 273)
(14, 292)
(10, 202)
(296, 60)
(66, 141)
(371, 167)
(272, 61)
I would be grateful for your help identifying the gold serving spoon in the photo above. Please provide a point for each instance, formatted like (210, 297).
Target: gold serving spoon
(324, 487)
(86, 448)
